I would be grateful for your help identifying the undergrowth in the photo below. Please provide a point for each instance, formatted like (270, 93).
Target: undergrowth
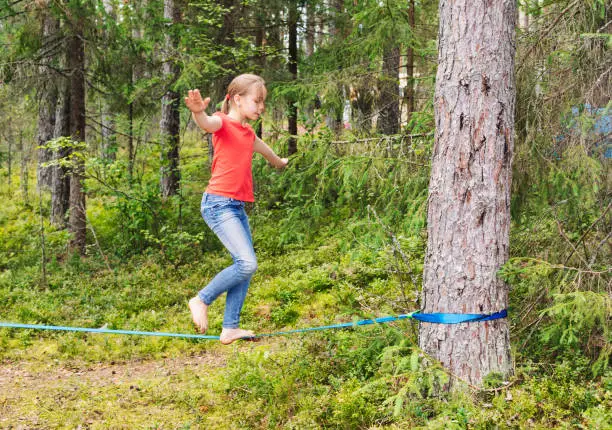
(340, 236)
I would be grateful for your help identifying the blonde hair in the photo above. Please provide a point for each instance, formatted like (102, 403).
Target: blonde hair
(241, 85)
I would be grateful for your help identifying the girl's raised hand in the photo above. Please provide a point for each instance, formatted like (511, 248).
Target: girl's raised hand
(195, 103)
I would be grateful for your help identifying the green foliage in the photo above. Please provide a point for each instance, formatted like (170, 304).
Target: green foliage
(581, 324)
(176, 248)
(325, 181)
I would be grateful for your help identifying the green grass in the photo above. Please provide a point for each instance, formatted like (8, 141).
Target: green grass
(322, 260)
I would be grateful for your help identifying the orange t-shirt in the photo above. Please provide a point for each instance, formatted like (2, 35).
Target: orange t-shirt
(231, 165)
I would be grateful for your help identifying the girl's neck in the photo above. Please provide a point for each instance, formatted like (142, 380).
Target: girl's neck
(235, 115)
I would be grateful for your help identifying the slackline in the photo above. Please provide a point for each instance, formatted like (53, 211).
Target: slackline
(435, 318)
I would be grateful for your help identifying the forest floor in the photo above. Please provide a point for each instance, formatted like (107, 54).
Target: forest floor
(52, 394)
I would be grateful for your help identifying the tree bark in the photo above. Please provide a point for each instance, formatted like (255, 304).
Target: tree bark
(389, 114)
(76, 64)
(469, 191)
(170, 115)
(227, 39)
(46, 106)
(310, 28)
(293, 69)
(410, 66)
(60, 178)
(260, 43)
(108, 150)
(333, 119)
(24, 173)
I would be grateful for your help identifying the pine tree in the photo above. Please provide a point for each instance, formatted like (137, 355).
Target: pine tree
(468, 219)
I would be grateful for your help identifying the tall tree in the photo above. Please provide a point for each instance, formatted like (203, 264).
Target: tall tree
(311, 21)
(60, 178)
(293, 70)
(47, 94)
(469, 192)
(108, 147)
(410, 105)
(389, 109)
(76, 66)
(170, 116)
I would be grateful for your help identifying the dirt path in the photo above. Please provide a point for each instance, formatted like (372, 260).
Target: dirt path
(84, 395)
(32, 375)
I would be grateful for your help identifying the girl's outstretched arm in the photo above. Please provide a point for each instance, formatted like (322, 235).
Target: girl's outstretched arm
(269, 154)
(197, 106)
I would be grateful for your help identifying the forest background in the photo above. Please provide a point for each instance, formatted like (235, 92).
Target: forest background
(104, 230)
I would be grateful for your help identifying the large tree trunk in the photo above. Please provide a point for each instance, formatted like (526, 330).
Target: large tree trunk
(170, 116)
(293, 69)
(60, 179)
(76, 64)
(389, 111)
(47, 97)
(469, 191)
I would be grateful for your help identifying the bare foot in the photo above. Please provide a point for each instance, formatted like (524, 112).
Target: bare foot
(229, 335)
(199, 313)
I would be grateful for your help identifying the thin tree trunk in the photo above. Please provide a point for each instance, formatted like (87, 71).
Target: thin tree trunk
(226, 38)
(468, 218)
(108, 151)
(25, 160)
(293, 69)
(60, 181)
(43, 246)
(260, 43)
(10, 163)
(523, 11)
(139, 71)
(46, 105)
(410, 66)
(170, 115)
(310, 28)
(46, 127)
(333, 119)
(77, 224)
(388, 119)
(338, 22)
(130, 148)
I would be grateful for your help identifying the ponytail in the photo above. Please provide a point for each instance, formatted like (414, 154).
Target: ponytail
(225, 106)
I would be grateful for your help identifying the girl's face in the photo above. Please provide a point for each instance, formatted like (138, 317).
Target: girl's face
(251, 105)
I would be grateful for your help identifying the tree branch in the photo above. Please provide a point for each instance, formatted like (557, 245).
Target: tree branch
(542, 36)
(585, 233)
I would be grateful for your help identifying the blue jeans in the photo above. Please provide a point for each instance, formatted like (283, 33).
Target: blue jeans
(228, 220)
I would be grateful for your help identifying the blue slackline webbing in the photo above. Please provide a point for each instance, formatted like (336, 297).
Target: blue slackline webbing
(437, 318)
(442, 318)
(105, 330)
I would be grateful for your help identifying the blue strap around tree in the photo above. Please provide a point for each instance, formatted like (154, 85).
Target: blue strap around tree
(443, 318)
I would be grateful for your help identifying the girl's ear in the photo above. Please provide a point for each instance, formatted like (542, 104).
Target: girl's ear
(237, 99)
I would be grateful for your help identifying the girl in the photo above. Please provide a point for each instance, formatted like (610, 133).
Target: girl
(230, 185)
